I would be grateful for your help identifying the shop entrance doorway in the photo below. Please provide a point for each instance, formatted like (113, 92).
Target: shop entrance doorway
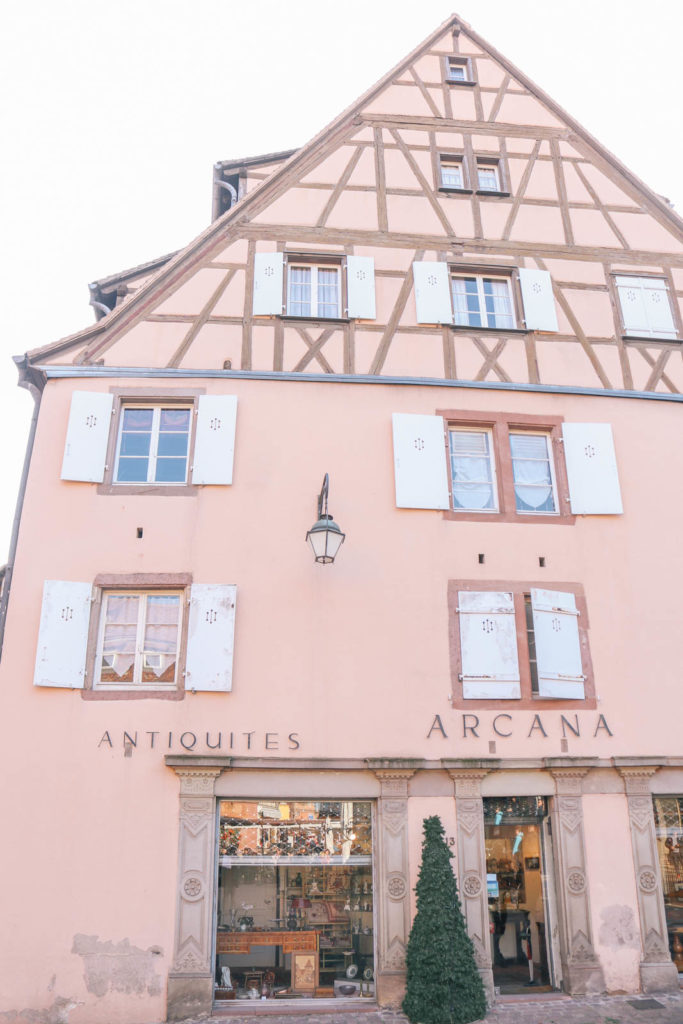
(520, 886)
(294, 914)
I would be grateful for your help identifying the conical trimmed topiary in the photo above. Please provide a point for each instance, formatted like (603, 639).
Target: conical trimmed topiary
(443, 984)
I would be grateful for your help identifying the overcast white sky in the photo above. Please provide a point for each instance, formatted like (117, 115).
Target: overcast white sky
(112, 115)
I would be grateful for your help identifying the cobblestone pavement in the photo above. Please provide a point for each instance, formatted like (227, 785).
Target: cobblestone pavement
(595, 1010)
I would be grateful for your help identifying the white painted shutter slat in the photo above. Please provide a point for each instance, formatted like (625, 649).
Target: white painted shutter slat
(558, 646)
(268, 281)
(214, 447)
(63, 634)
(87, 435)
(591, 469)
(420, 461)
(488, 644)
(432, 293)
(539, 302)
(360, 287)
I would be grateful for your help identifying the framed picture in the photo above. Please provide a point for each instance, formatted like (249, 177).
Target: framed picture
(532, 863)
(304, 972)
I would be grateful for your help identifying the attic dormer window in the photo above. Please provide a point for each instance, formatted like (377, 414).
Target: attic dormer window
(459, 71)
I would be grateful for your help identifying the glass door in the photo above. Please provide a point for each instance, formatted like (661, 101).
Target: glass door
(519, 882)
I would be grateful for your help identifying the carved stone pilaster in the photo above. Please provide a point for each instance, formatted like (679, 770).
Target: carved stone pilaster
(393, 894)
(582, 971)
(190, 980)
(657, 971)
(471, 867)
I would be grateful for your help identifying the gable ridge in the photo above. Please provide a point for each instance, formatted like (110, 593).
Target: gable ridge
(186, 260)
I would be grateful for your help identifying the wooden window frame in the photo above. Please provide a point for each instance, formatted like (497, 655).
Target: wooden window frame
(503, 273)
(673, 306)
(527, 700)
(160, 397)
(324, 260)
(142, 583)
(453, 60)
(445, 157)
(502, 176)
(501, 424)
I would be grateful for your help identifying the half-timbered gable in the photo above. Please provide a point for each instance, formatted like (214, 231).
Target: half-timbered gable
(455, 159)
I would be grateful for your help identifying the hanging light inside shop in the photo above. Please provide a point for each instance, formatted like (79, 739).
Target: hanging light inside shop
(325, 536)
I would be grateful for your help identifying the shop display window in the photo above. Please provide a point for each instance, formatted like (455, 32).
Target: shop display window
(517, 892)
(669, 831)
(294, 916)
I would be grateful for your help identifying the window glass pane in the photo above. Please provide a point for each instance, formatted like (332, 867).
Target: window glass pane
(137, 419)
(170, 470)
(472, 470)
(118, 645)
(456, 72)
(172, 444)
(175, 419)
(132, 470)
(532, 473)
(487, 176)
(135, 444)
(328, 292)
(161, 639)
(498, 305)
(531, 640)
(466, 301)
(299, 291)
(451, 174)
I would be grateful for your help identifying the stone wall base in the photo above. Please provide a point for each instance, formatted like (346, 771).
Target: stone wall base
(189, 996)
(486, 975)
(390, 989)
(661, 977)
(583, 979)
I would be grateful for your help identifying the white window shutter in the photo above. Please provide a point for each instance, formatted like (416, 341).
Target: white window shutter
(539, 301)
(214, 447)
(268, 280)
(432, 293)
(420, 461)
(645, 306)
(658, 308)
(63, 635)
(210, 637)
(488, 644)
(591, 469)
(360, 287)
(558, 647)
(87, 435)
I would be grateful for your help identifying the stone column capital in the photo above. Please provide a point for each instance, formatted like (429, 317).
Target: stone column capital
(568, 781)
(467, 781)
(637, 778)
(197, 781)
(393, 775)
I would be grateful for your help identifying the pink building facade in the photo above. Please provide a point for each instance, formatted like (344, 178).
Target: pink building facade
(464, 310)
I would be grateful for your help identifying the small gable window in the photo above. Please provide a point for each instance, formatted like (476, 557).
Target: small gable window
(459, 71)
(452, 173)
(646, 307)
(489, 176)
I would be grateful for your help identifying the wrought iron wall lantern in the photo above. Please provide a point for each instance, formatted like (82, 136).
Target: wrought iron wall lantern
(325, 536)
